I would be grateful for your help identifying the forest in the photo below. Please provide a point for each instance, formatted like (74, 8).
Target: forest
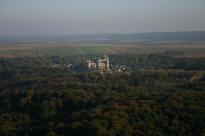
(162, 96)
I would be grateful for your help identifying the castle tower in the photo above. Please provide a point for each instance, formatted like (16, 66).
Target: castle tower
(89, 65)
(108, 64)
(99, 64)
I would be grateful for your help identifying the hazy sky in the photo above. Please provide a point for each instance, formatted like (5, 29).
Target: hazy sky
(19, 17)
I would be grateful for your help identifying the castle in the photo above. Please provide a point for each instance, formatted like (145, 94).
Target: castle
(101, 64)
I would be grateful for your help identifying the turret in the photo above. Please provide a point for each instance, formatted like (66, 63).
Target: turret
(108, 64)
(89, 65)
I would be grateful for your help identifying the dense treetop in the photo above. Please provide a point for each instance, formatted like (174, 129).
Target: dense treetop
(37, 99)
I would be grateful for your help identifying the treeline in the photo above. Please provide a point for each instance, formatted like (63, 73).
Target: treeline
(164, 61)
(133, 63)
(41, 100)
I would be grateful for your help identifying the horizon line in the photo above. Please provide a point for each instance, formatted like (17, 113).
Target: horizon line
(81, 34)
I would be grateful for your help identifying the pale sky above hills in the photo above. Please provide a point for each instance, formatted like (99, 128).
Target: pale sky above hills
(20, 17)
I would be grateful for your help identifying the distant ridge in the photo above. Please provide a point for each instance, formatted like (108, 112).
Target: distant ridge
(110, 38)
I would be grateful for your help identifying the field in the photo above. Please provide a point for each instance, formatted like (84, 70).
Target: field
(181, 44)
(96, 49)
